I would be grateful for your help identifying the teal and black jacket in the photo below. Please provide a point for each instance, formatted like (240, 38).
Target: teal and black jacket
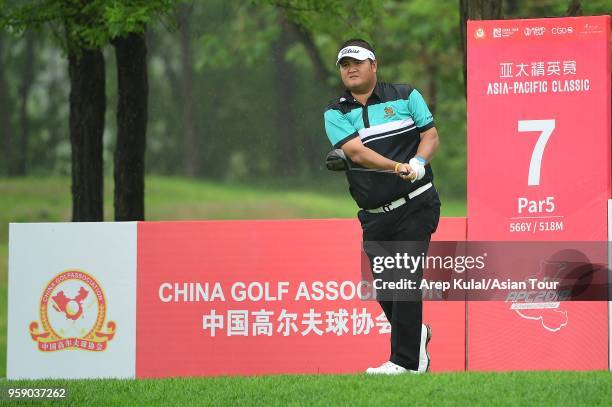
(390, 123)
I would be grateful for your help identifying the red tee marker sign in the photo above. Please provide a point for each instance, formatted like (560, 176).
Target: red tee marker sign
(539, 129)
(538, 169)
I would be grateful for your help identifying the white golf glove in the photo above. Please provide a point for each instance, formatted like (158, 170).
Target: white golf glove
(418, 166)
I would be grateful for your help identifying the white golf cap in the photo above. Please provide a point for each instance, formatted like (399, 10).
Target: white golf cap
(356, 52)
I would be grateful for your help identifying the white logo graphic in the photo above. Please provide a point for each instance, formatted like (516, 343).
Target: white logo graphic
(562, 30)
(543, 305)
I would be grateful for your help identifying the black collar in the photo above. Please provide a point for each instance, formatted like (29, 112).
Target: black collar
(376, 92)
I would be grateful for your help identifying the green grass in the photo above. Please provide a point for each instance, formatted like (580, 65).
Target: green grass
(517, 388)
(174, 199)
(48, 200)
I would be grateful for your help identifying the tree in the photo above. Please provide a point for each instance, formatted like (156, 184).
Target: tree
(574, 8)
(87, 108)
(87, 74)
(131, 51)
(306, 36)
(329, 18)
(476, 10)
(87, 26)
(124, 25)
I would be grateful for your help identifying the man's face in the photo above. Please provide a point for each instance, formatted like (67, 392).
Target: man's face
(358, 75)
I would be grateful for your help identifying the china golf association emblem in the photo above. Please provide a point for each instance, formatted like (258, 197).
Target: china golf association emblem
(72, 315)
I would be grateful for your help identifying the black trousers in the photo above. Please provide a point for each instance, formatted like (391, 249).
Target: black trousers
(413, 221)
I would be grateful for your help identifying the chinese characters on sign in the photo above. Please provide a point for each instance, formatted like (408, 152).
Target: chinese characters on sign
(540, 70)
(265, 323)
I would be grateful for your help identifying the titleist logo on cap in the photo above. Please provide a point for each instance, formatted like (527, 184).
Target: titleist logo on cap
(356, 52)
(349, 51)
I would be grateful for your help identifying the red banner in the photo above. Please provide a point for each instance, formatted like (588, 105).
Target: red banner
(265, 297)
(538, 169)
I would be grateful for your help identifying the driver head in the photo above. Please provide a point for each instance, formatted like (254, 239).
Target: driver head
(336, 160)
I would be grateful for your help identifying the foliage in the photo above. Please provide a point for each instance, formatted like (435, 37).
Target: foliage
(419, 44)
(235, 88)
(83, 24)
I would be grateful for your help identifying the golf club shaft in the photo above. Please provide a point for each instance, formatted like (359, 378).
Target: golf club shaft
(377, 170)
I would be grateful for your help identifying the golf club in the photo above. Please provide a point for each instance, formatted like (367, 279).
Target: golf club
(336, 161)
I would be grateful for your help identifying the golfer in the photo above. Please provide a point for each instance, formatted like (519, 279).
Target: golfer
(387, 126)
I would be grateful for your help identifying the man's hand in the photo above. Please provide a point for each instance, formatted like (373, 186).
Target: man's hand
(415, 169)
(418, 166)
(405, 172)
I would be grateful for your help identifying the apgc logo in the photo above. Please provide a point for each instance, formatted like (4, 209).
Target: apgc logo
(543, 305)
(72, 315)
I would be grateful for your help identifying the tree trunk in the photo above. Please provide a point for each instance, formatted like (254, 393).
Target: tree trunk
(27, 78)
(284, 115)
(5, 116)
(574, 9)
(322, 73)
(191, 150)
(87, 108)
(131, 55)
(476, 10)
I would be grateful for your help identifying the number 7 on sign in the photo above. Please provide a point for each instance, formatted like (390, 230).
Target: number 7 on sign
(545, 127)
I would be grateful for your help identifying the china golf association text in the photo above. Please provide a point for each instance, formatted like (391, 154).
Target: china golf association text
(240, 291)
